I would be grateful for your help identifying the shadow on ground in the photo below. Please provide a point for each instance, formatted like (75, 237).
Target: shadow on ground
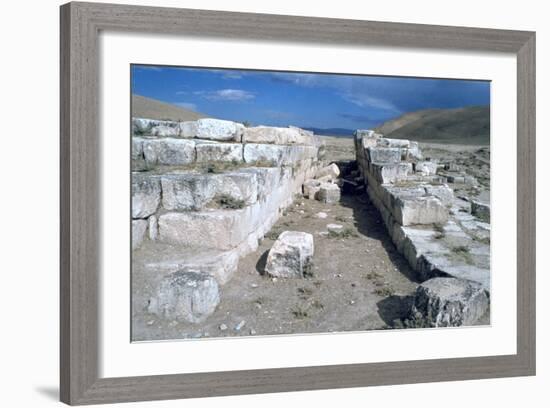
(394, 308)
(368, 222)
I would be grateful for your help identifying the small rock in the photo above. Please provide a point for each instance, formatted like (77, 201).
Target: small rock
(335, 228)
(291, 255)
(352, 302)
(223, 327)
(331, 170)
(328, 193)
(254, 285)
(240, 325)
(150, 322)
(321, 215)
(443, 302)
(252, 332)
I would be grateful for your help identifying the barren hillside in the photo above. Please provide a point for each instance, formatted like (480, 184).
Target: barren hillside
(469, 125)
(143, 107)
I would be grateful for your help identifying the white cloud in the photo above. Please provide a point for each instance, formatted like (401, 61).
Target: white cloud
(365, 101)
(236, 95)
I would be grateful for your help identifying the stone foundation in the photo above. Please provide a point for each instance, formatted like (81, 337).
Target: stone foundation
(438, 233)
(207, 191)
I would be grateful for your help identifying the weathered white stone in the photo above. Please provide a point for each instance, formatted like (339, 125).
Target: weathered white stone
(277, 155)
(221, 130)
(443, 302)
(145, 195)
(143, 126)
(276, 135)
(187, 191)
(414, 152)
(421, 210)
(321, 215)
(359, 133)
(400, 143)
(153, 227)
(168, 151)
(328, 193)
(310, 188)
(332, 171)
(291, 255)
(186, 296)
(219, 229)
(188, 129)
(442, 191)
(139, 227)
(335, 228)
(384, 154)
(165, 131)
(389, 173)
(481, 210)
(219, 152)
(427, 168)
(138, 159)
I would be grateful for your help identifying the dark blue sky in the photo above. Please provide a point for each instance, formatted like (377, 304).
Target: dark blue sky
(305, 100)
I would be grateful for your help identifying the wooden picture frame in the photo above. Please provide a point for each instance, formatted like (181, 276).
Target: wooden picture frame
(81, 24)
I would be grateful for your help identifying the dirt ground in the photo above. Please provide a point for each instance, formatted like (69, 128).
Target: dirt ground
(357, 282)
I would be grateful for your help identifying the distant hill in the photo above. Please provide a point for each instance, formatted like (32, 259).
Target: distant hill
(149, 108)
(337, 132)
(469, 125)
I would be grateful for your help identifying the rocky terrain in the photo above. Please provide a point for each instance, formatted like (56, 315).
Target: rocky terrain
(261, 231)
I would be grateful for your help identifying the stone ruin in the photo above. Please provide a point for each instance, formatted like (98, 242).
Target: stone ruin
(205, 192)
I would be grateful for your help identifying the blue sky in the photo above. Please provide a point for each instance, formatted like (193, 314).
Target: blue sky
(302, 99)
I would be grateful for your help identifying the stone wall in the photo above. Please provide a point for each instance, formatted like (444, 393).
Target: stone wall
(438, 233)
(213, 188)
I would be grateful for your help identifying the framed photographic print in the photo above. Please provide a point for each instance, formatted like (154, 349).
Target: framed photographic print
(259, 203)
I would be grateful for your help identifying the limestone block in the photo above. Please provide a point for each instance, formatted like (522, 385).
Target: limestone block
(399, 143)
(138, 159)
(165, 131)
(188, 129)
(187, 191)
(384, 154)
(443, 192)
(217, 229)
(310, 188)
(153, 227)
(168, 152)
(219, 152)
(291, 255)
(220, 264)
(276, 135)
(328, 193)
(427, 168)
(145, 195)
(389, 173)
(143, 126)
(221, 130)
(277, 155)
(414, 152)
(332, 171)
(139, 227)
(186, 296)
(444, 302)
(419, 210)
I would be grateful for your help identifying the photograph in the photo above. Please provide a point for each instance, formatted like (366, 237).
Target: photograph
(277, 203)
